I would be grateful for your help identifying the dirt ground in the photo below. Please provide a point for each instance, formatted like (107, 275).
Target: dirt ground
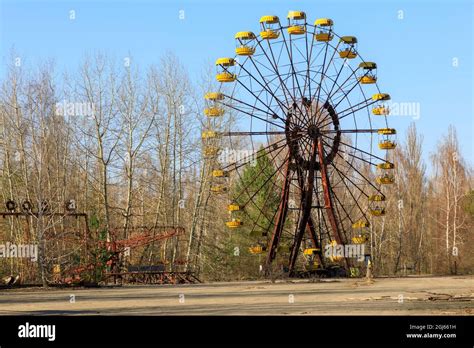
(384, 296)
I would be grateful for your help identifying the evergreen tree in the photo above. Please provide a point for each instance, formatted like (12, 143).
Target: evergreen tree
(257, 190)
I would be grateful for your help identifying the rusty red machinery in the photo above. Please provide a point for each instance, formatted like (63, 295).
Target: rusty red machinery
(116, 271)
(146, 274)
(85, 258)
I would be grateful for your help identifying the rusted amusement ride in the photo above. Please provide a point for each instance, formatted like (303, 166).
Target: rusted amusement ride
(312, 104)
(75, 253)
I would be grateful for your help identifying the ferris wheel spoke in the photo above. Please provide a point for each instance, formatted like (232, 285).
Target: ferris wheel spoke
(334, 83)
(345, 94)
(253, 94)
(347, 191)
(322, 223)
(348, 179)
(253, 107)
(245, 189)
(324, 78)
(247, 159)
(360, 174)
(358, 109)
(357, 149)
(266, 83)
(319, 203)
(309, 120)
(351, 111)
(308, 61)
(236, 165)
(324, 68)
(341, 86)
(254, 157)
(233, 134)
(317, 56)
(356, 200)
(307, 145)
(348, 131)
(275, 67)
(334, 215)
(265, 87)
(256, 223)
(251, 114)
(262, 213)
(277, 170)
(296, 106)
(290, 57)
(359, 158)
(258, 207)
(283, 231)
(339, 203)
(340, 218)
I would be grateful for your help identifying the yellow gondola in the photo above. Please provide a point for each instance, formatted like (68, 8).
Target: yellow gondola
(220, 173)
(270, 30)
(377, 211)
(377, 198)
(369, 77)
(296, 22)
(226, 77)
(385, 165)
(233, 207)
(218, 189)
(323, 22)
(311, 251)
(385, 179)
(381, 110)
(381, 96)
(324, 26)
(360, 224)
(387, 131)
(234, 223)
(224, 73)
(244, 43)
(348, 51)
(361, 239)
(334, 257)
(258, 249)
(213, 96)
(354, 272)
(210, 151)
(214, 111)
(208, 134)
(387, 145)
(312, 266)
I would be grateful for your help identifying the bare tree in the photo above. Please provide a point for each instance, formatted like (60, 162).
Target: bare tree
(451, 186)
(98, 87)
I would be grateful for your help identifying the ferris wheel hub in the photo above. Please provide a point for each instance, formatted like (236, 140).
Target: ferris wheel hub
(313, 131)
(307, 121)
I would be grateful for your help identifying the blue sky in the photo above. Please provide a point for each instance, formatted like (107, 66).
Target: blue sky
(414, 54)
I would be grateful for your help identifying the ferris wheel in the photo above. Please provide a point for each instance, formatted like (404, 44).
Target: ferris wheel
(301, 96)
